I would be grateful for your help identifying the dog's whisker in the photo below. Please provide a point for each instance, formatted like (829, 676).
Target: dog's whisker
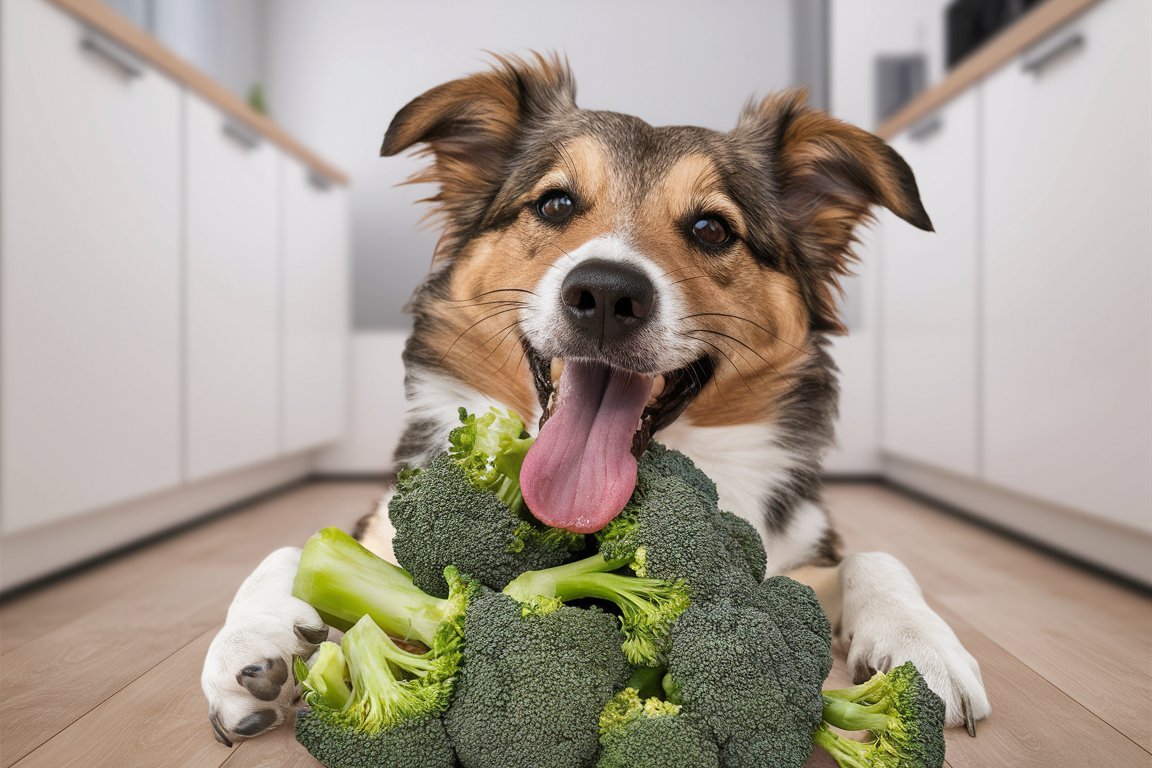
(740, 373)
(715, 380)
(686, 279)
(465, 332)
(489, 293)
(508, 328)
(765, 360)
(751, 322)
(743, 357)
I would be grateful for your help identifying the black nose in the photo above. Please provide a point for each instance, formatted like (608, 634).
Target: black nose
(607, 299)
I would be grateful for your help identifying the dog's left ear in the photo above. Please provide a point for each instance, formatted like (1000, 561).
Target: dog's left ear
(827, 175)
(471, 128)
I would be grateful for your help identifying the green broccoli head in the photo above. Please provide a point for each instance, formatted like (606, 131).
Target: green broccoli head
(441, 518)
(752, 684)
(669, 531)
(660, 461)
(533, 683)
(905, 716)
(651, 733)
(387, 717)
(743, 543)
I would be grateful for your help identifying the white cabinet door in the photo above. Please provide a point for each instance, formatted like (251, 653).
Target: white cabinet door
(232, 301)
(90, 255)
(929, 299)
(1068, 267)
(315, 317)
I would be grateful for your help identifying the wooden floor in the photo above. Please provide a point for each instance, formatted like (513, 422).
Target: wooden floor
(102, 668)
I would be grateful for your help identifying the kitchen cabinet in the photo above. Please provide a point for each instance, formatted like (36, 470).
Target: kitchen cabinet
(1067, 265)
(315, 316)
(90, 344)
(929, 305)
(232, 302)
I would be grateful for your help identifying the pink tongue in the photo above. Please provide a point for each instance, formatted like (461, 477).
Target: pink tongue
(580, 472)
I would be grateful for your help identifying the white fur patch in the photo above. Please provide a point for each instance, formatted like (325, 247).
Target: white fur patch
(885, 622)
(260, 626)
(437, 398)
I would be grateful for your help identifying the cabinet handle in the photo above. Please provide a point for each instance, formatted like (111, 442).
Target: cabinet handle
(113, 53)
(241, 134)
(318, 180)
(1035, 62)
(926, 128)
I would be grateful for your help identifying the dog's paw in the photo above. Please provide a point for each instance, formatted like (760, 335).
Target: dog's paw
(886, 623)
(247, 676)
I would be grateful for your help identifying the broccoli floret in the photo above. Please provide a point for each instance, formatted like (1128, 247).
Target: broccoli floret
(669, 531)
(490, 449)
(743, 543)
(382, 720)
(744, 674)
(533, 683)
(464, 508)
(905, 716)
(651, 733)
(538, 667)
(660, 461)
(648, 607)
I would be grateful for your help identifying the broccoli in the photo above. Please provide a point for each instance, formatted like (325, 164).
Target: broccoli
(661, 461)
(381, 720)
(651, 733)
(750, 670)
(904, 715)
(464, 508)
(533, 683)
(744, 543)
(509, 667)
(648, 607)
(670, 531)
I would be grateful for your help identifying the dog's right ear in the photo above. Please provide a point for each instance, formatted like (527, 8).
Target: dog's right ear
(471, 128)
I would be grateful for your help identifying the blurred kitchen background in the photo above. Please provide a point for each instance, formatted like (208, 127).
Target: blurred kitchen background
(204, 262)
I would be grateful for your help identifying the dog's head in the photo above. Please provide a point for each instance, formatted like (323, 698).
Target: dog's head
(624, 274)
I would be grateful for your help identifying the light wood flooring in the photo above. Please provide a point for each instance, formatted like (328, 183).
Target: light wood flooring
(101, 668)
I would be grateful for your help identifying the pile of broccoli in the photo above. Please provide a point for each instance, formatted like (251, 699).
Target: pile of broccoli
(655, 642)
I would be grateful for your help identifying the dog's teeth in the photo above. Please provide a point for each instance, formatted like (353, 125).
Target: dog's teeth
(557, 369)
(657, 389)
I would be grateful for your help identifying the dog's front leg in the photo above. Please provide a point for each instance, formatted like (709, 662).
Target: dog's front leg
(247, 674)
(878, 613)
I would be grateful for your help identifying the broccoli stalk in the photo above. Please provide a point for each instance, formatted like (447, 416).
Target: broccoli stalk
(553, 667)
(905, 717)
(648, 607)
(387, 718)
(343, 581)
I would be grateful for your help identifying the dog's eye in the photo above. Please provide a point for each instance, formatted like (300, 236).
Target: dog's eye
(555, 206)
(711, 231)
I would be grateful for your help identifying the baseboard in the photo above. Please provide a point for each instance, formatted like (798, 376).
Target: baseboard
(1116, 549)
(28, 555)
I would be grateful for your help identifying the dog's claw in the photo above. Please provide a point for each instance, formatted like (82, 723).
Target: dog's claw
(969, 721)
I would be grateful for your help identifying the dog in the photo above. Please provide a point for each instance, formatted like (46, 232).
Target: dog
(618, 281)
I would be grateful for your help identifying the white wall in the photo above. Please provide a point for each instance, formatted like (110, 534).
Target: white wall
(859, 32)
(339, 70)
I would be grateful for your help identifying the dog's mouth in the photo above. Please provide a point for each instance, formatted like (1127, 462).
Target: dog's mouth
(597, 419)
